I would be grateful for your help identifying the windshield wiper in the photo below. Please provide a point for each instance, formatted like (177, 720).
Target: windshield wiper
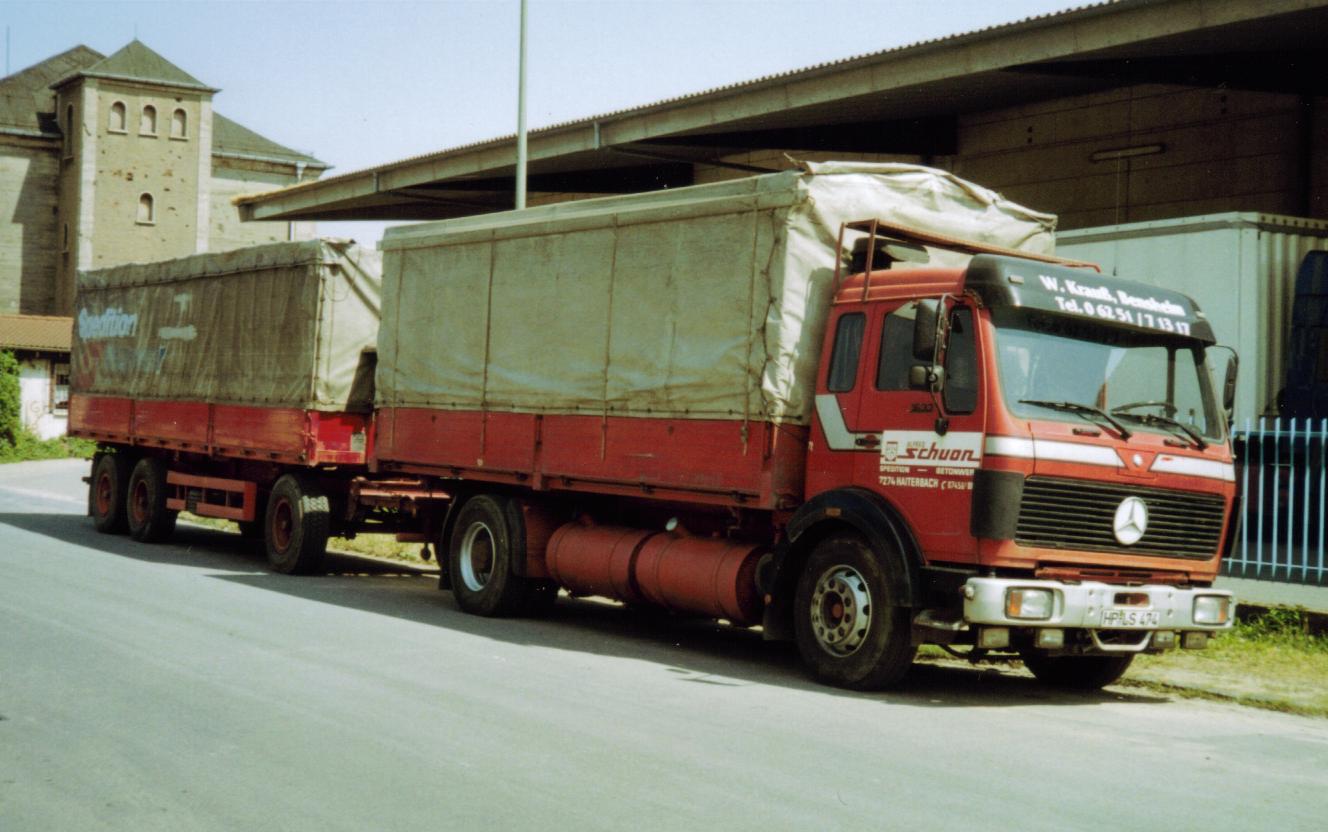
(1168, 422)
(1084, 410)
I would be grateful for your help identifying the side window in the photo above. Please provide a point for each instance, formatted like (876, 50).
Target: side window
(896, 350)
(961, 364)
(844, 358)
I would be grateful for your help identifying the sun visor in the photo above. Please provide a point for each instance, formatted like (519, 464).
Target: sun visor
(1086, 295)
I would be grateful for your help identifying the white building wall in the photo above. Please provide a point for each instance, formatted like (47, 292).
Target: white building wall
(34, 377)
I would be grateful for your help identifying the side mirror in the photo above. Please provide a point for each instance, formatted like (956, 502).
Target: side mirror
(1229, 386)
(926, 314)
(926, 377)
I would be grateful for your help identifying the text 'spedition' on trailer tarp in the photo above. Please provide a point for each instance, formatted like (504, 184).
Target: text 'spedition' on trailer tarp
(627, 340)
(263, 352)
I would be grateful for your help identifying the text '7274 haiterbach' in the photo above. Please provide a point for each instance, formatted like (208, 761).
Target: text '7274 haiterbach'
(861, 406)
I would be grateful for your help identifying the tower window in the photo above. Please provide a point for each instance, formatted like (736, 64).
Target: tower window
(179, 124)
(147, 123)
(118, 118)
(69, 131)
(147, 210)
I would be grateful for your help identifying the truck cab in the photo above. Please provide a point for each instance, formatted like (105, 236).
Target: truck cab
(1045, 444)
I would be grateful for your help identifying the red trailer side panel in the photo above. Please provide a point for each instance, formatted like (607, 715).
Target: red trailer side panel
(101, 418)
(270, 434)
(171, 424)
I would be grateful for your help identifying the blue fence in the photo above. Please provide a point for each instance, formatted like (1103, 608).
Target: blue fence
(1282, 475)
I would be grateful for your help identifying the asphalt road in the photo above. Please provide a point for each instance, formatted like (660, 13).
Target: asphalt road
(182, 686)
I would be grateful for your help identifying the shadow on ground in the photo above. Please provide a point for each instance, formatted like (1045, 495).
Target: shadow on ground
(688, 651)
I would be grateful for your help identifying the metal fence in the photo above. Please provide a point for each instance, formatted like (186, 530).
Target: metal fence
(1282, 475)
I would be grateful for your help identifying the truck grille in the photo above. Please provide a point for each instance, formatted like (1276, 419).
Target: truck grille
(1078, 514)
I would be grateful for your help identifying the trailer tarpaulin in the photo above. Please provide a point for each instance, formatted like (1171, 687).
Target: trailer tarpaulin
(279, 325)
(706, 302)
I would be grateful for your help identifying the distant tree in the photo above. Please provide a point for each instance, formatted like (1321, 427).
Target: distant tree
(11, 413)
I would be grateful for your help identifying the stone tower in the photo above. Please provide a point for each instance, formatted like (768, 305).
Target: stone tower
(135, 163)
(114, 159)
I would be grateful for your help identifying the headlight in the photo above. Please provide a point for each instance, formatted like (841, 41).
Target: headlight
(1211, 609)
(1027, 603)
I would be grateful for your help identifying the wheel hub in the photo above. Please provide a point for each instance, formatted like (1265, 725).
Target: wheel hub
(139, 503)
(477, 557)
(104, 494)
(841, 610)
(282, 525)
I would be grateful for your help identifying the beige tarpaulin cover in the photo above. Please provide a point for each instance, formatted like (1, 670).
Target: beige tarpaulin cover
(280, 325)
(700, 302)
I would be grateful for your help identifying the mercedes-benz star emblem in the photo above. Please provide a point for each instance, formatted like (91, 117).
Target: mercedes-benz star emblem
(1131, 521)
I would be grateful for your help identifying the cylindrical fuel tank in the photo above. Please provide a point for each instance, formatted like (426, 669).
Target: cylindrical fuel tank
(596, 560)
(712, 577)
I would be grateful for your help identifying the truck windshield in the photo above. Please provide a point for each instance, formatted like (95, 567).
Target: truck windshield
(1052, 367)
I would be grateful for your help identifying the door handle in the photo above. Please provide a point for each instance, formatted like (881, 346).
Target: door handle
(867, 440)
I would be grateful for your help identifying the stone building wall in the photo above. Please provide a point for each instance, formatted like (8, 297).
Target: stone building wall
(30, 243)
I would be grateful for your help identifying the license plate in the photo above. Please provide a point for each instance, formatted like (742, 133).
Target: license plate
(1131, 618)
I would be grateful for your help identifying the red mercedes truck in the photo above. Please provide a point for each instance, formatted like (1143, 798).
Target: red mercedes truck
(860, 406)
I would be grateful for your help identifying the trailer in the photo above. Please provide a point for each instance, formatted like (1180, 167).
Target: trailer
(233, 385)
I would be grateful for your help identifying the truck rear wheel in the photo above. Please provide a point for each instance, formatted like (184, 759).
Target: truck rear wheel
(1077, 672)
(480, 560)
(106, 493)
(149, 519)
(296, 525)
(851, 623)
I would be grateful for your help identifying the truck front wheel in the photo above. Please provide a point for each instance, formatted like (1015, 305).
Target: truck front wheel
(479, 560)
(296, 525)
(850, 623)
(149, 519)
(106, 493)
(1077, 672)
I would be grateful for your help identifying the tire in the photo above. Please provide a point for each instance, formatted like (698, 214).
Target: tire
(480, 556)
(145, 502)
(107, 491)
(852, 623)
(1077, 672)
(295, 526)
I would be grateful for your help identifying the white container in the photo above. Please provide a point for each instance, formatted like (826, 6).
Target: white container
(1239, 266)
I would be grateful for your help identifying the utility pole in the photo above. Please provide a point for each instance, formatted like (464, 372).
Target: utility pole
(521, 116)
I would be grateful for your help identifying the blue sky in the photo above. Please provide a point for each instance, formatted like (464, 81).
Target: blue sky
(361, 83)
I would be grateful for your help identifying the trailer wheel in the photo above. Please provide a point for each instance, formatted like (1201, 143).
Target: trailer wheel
(851, 623)
(1077, 672)
(479, 560)
(149, 519)
(106, 493)
(296, 525)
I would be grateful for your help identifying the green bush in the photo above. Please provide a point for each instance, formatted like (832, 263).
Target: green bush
(11, 403)
(17, 444)
(28, 447)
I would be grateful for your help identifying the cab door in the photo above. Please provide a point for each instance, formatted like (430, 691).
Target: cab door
(927, 446)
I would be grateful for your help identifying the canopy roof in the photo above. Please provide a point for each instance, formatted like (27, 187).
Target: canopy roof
(903, 101)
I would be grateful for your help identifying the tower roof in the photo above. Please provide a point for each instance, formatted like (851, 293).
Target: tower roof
(136, 62)
(26, 99)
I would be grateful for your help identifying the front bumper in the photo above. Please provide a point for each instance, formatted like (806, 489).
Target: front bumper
(1086, 605)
